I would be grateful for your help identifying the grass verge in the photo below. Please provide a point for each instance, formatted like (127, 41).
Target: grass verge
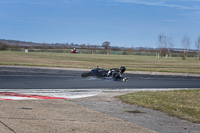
(184, 104)
(132, 62)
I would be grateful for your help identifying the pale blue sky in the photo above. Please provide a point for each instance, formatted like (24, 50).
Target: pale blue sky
(122, 22)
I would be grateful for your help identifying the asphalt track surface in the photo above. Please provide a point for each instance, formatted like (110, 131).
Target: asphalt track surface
(38, 78)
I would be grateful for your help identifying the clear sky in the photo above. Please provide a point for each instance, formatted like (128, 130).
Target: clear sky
(129, 23)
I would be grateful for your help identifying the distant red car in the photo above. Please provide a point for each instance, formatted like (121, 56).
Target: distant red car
(74, 51)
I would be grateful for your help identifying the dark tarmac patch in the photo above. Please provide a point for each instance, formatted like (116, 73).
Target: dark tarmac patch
(27, 108)
(135, 112)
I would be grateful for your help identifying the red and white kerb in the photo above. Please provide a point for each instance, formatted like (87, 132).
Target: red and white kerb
(19, 96)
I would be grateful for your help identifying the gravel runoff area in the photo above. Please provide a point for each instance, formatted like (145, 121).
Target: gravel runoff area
(60, 116)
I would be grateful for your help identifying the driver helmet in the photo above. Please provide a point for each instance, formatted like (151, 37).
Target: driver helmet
(123, 69)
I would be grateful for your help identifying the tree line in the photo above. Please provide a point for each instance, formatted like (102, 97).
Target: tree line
(166, 43)
(164, 49)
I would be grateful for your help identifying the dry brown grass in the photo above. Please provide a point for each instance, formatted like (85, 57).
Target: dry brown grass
(134, 63)
(184, 104)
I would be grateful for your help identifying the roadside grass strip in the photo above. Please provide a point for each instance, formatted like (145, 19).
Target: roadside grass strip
(19, 96)
(184, 104)
(132, 62)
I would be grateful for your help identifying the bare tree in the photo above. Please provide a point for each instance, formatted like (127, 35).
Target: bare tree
(106, 45)
(198, 47)
(83, 46)
(170, 44)
(3, 46)
(186, 45)
(162, 45)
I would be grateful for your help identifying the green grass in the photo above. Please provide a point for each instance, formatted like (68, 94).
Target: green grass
(184, 104)
(132, 62)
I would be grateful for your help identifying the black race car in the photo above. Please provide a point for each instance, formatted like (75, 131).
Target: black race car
(115, 73)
